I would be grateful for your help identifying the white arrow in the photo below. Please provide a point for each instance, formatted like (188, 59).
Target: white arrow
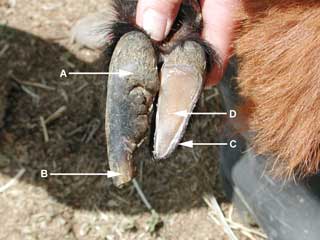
(190, 144)
(184, 113)
(121, 73)
(109, 174)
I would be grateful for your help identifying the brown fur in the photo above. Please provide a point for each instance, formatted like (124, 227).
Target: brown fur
(279, 50)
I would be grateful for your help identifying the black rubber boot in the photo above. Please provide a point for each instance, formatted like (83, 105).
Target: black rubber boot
(285, 210)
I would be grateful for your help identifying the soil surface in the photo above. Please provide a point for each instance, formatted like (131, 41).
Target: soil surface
(34, 47)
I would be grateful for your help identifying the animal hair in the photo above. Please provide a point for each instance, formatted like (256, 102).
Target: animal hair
(123, 23)
(278, 45)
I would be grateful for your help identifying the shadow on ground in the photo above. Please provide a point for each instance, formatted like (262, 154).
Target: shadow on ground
(76, 139)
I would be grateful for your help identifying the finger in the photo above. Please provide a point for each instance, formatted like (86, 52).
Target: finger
(219, 23)
(157, 16)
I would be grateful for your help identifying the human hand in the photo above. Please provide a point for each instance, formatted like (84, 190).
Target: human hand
(157, 16)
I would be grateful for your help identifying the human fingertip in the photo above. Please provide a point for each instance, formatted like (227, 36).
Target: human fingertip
(155, 24)
(156, 17)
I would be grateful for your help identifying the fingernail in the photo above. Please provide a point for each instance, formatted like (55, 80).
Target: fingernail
(155, 24)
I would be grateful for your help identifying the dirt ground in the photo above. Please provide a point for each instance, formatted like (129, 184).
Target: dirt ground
(34, 47)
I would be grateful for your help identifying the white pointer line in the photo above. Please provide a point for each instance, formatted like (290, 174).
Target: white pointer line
(121, 73)
(185, 113)
(78, 174)
(208, 113)
(210, 144)
(190, 144)
(91, 73)
(109, 174)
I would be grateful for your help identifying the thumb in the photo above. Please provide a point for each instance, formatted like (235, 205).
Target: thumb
(219, 25)
(157, 16)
